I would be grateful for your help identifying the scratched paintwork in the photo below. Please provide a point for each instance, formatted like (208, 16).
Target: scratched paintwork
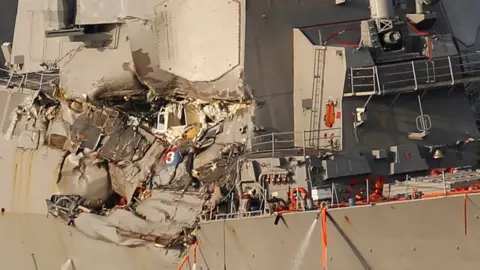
(52, 243)
(29, 177)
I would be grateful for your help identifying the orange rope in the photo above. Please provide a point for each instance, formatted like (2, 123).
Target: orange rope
(465, 212)
(324, 237)
(424, 196)
(421, 33)
(195, 246)
(183, 262)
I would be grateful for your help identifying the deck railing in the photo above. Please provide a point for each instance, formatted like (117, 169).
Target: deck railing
(276, 141)
(30, 80)
(413, 75)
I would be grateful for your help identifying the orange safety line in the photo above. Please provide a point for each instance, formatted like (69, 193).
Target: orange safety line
(424, 196)
(195, 246)
(465, 212)
(182, 263)
(324, 237)
(422, 33)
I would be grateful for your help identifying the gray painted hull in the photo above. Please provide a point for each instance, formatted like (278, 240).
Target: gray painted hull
(421, 234)
(53, 243)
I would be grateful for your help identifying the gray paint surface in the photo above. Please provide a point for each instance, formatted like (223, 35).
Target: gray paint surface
(413, 235)
(176, 46)
(53, 243)
(410, 237)
(269, 51)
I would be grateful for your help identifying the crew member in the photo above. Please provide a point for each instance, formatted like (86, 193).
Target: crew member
(376, 195)
(379, 185)
(360, 195)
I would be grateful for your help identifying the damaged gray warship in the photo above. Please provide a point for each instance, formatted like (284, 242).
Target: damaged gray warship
(333, 134)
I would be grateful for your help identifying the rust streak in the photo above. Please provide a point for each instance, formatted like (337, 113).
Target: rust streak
(14, 184)
(348, 220)
(29, 179)
(239, 245)
(19, 179)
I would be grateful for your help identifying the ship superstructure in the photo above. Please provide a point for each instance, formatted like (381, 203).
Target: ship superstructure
(233, 130)
(374, 94)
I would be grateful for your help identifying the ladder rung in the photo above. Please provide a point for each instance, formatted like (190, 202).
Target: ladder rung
(366, 76)
(355, 85)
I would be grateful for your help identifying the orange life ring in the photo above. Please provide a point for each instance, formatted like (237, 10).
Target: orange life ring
(293, 194)
(330, 115)
(438, 171)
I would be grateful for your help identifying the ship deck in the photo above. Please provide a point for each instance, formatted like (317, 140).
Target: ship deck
(269, 65)
(436, 233)
(269, 51)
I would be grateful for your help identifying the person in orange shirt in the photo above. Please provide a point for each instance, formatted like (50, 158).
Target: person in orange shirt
(376, 195)
(379, 185)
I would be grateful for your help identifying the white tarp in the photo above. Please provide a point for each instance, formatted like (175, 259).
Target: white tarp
(165, 213)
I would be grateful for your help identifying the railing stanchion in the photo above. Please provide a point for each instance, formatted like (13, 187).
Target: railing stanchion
(41, 82)
(273, 144)
(451, 70)
(26, 80)
(444, 184)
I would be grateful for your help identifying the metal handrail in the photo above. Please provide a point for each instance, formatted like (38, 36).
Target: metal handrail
(415, 74)
(28, 79)
(239, 214)
(272, 139)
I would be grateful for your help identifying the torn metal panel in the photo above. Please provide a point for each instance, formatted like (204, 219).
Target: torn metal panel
(221, 168)
(122, 144)
(88, 127)
(58, 133)
(13, 112)
(27, 122)
(108, 132)
(167, 207)
(68, 207)
(144, 49)
(172, 177)
(105, 228)
(127, 176)
(124, 180)
(84, 175)
(124, 228)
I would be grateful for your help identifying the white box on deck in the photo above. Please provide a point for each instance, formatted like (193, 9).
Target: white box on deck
(319, 193)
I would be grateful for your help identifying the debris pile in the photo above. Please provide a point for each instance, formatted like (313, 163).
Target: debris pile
(127, 173)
